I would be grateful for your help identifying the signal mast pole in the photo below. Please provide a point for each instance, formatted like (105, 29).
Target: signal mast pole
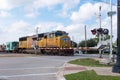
(100, 54)
(36, 46)
(116, 67)
(111, 49)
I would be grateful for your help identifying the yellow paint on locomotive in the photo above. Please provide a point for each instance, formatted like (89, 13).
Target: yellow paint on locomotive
(30, 42)
(55, 42)
(22, 44)
(65, 42)
(42, 42)
(26, 44)
(49, 42)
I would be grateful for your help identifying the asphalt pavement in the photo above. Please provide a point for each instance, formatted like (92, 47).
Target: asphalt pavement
(29, 67)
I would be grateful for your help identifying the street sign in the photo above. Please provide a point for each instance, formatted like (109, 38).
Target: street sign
(111, 13)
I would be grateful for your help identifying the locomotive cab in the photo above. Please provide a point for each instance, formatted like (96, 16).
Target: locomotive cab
(64, 39)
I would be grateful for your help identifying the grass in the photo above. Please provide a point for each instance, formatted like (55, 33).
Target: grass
(88, 62)
(89, 75)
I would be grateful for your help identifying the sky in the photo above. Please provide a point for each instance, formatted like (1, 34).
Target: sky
(20, 18)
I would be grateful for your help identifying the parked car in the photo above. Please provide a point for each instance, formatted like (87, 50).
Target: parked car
(107, 50)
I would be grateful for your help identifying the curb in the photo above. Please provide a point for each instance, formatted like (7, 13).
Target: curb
(60, 73)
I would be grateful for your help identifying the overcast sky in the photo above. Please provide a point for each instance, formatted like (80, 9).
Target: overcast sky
(20, 17)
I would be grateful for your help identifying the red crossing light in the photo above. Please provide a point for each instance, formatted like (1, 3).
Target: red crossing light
(93, 31)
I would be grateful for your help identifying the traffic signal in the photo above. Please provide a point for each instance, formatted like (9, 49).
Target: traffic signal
(105, 31)
(93, 31)
(100, 30)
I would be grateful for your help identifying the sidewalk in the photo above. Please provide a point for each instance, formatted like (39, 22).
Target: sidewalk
(71, 68)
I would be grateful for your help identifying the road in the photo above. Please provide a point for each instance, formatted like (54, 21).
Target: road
(34, 68)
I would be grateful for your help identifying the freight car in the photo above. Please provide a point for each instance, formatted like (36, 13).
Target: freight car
(12, 46)
(2, 48)
(50, 43)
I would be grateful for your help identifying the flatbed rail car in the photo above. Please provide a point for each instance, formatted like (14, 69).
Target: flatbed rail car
(51, 43)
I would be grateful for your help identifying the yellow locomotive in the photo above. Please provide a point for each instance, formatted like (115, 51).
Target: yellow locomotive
(56, 42)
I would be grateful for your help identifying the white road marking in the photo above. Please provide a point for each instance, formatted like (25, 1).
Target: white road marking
(27, 75)
(30, 68)
(61, 60)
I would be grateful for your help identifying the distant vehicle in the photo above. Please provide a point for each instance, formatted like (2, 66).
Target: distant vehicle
(78, 52)
(106, 50)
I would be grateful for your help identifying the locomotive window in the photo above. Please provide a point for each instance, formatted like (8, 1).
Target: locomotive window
(34, 38)
(58, 34)
(65, 39)
(45, 37)
(40, 35)
(51, 35)
(23, 39)
(15, 43)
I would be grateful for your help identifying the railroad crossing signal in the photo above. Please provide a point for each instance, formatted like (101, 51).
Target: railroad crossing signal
(100, 31)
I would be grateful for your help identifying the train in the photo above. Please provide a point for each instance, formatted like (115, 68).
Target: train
(49, 43)
(12, 46)
(2, 47)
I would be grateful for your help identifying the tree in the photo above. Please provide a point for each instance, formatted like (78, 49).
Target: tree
(107, 37)
(90, 43)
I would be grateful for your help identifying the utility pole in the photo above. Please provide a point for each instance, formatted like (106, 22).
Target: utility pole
(85, 39)
(100, 53)
(36, 46)
(72, 41)
(116, 67)
(37, 35)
